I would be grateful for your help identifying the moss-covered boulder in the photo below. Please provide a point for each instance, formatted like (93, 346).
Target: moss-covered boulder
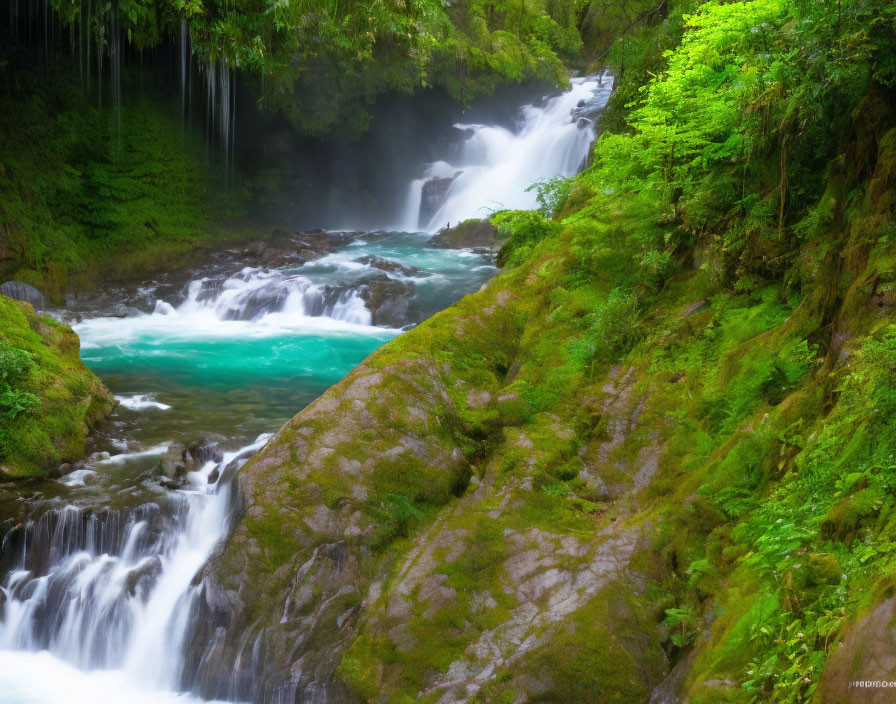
(49, 401)
(470, 234)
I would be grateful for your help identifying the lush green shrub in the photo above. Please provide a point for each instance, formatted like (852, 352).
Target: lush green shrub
(15, 365)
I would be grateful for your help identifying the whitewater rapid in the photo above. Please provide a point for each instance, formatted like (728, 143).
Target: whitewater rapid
(97, 593)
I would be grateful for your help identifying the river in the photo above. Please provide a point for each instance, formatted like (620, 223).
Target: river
(98, 583)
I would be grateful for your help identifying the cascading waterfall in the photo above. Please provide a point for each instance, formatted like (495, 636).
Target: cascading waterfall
(111, 591)
(183, 71)
(265, 297)
(495, 167)
(115, 68)
(113, 588)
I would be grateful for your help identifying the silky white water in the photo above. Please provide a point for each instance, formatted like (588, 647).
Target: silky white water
(116, 595)
(496, 166)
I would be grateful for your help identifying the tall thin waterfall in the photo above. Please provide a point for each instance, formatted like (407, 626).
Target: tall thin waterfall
(220, 81)
(115, 68)
(95, 35)
(493, 167)
(183, 70)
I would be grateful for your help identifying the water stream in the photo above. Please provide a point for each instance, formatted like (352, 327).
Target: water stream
(98, 579)
(492, 167)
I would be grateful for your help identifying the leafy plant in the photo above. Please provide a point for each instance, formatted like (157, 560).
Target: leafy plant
(15, 366)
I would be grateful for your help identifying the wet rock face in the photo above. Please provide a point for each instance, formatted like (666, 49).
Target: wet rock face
(433, 194)
(24, 292)
(867, 652)
(179, 460)
(589, 109)
(388, 300)
(280, 603)
(470, 234)
(141, 579)
(202, 451)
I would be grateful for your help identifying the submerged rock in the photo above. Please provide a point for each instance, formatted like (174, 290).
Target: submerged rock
(433, 194)
(179, 460)
(389, 266)
(269, 299)
(143, 577)
(201, 451)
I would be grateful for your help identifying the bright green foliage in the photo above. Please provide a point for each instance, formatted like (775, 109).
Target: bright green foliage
(693, 344)
(689, 353)
(15, 365)
(734, 135)
(48, 399)
(740, 209)
(320, 61)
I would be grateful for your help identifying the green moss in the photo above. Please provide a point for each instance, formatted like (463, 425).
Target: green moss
(603, 653)
(359, 669)
(272, 533)
(70, 400)
(83, 202)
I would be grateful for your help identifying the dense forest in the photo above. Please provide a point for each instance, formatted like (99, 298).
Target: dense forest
(651, 460)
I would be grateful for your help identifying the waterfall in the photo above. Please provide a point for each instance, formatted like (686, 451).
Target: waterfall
(220, 108)
(113, 588)
(494, 167)
(87, 34)
(183, 71)
(95, 33)
(257, 295)
(100, 41)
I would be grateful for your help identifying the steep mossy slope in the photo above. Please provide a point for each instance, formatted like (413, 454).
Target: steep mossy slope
(49, 401)
(653, 459)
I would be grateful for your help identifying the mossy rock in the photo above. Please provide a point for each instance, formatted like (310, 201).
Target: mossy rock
(71, 400)
(470, 234)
